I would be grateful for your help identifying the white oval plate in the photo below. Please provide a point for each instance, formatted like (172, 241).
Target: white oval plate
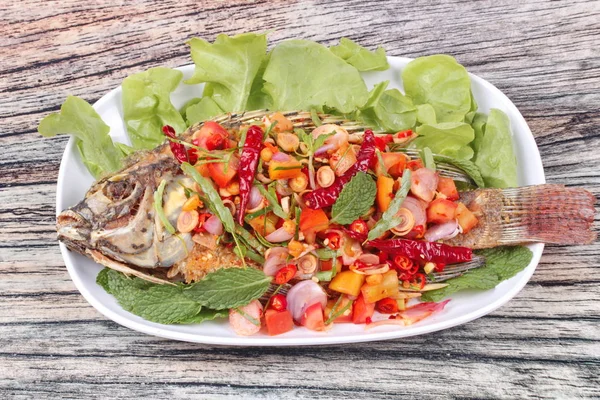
(74, 181)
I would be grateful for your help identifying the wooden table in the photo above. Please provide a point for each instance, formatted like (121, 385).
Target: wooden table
(545, 343)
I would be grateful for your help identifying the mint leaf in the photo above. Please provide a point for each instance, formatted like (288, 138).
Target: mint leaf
(501, 263)
(205, 314)
(229, 288)
(389, 219)
(355, 199)
(164, 304)
(467, 166)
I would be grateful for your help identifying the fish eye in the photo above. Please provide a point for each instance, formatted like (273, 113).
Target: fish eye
(120, 190)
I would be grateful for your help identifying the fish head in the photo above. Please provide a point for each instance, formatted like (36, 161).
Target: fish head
(118, 217)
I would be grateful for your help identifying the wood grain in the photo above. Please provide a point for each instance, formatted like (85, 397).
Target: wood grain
(544, 55)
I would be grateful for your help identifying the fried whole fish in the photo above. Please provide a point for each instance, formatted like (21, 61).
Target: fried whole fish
(117, 225)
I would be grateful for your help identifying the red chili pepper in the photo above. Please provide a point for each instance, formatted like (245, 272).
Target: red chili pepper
(285, 274)
(247, 168)
(403, 262)
(387, 306)
(177, 149)
(382, 141)
(324, 197)
(335, 240)
(201, 219)
(426, 251)
(359, 226)
(278, 302)
(439, 267)
(420, 280)
(368, 320)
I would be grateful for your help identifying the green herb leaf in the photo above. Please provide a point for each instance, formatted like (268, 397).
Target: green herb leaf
(333, 315)
(229, 288)
(389, 219)
(272, 199)
(164, 304)
(147, 106)
(315, 118)
(98, 152)
(215, 202)
(158, 207)
(427, 157)
(355, 199)
(205, 314)
(467, 166)
(501, 263)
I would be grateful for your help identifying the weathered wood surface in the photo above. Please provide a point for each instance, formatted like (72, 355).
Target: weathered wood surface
(545, 343)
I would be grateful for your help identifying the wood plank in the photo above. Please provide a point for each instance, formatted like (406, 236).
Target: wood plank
(544, 343)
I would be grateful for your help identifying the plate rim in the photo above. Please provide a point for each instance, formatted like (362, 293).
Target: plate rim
(163, 331)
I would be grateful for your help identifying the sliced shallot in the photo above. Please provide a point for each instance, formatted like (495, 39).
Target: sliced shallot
(213, 225)
(442, 231)
(279, 235)
(303, 295)
(423, 183)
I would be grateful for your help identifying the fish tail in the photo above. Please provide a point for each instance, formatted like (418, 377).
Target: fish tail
(547, 213)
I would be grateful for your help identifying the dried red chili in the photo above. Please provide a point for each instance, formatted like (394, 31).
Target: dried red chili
(285, 274)
(387, 306)
(426, 251)
(248, 164)
(177, 149)
(324, 197)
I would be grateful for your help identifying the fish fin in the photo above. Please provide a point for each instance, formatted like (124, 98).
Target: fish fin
(124, 268)
(547, 213)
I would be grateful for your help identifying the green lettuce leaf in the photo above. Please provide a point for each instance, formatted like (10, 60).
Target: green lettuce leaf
(147, 106)
(229, 67)
(478, 124)
(258, 99)
(203, 110)
(447, 138)
(303, 75)
(442, 82)
(501, 263)
(76, 117)
(495, 154)
(359, 57)
(426, 114)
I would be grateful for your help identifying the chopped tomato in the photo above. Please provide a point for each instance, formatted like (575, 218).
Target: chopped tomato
(441, 211)
(361, 310)
(283, 124)
(466, 219)
(415, 165)
(217, 142)
(391, 160)
(327, 265)
(345, 317)
(313, 318)
(209, 130)
(223, 173)
(278, 322)
(404, 134)
(313, 221)
(447, 187)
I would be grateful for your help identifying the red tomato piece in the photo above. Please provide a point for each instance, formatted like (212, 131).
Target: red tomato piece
(361, 310)
(441, 211)
(313, 318)
(278, 322)
(447, 187)
(221, 175)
